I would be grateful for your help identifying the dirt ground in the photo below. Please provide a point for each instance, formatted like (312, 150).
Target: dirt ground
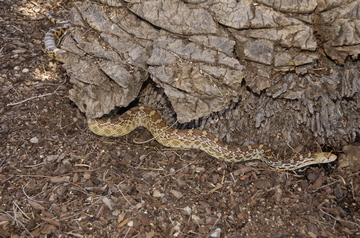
(57, 179)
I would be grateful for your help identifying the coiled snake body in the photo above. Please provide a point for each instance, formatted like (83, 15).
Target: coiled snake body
(198, 139)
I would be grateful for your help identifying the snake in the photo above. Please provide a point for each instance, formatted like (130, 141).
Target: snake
(143, 116)
(54, 34)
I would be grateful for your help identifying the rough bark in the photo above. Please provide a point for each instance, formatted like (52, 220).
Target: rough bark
(274, 72)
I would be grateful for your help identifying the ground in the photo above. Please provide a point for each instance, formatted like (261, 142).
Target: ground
(57, 179)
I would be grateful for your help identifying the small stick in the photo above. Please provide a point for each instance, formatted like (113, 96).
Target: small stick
(337, 219)
(30, 98)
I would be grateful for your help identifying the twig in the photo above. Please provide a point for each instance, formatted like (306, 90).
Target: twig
(21, 211)
(338, 219)
(30, 98)
(176, 171)
(17, 28)
(23, 189)
(127, 232)
(123, 195)
(18, 222)
(292, 148)
(217, 220)
(326, 185)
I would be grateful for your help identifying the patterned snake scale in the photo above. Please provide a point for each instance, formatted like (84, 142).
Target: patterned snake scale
(191, 139)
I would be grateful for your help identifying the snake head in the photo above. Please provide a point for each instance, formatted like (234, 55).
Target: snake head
(324, 157)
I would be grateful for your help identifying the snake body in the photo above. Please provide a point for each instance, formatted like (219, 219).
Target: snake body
(197, 139)
(191, 139)
(54, 34)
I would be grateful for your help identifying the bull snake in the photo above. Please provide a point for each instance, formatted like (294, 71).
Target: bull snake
(197, 139)
(192, 139)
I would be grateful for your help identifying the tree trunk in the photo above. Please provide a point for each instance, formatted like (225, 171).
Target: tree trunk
(272, 72)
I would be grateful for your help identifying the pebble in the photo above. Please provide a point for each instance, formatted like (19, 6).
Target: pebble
(107, 202)
(187, 209)
(157, 194)
(312, 177)
(16, 68)
(34, 140)
(87, 176)
(216, 233)
(130, 223)
(6, 89)
(50, 158)
(231, 218)
(196, 218)
(4, 129)
(25, 70)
